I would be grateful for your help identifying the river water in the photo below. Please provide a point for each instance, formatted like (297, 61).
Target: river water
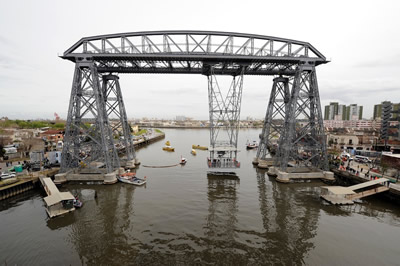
(181, 217)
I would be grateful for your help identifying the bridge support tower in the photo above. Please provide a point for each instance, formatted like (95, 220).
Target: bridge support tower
(89, 136)
(273, 122)
(302, 142)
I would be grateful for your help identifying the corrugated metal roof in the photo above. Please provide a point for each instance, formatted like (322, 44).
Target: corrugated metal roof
(55, 196)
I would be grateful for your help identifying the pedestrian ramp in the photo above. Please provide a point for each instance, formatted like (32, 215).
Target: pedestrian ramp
(346, 195)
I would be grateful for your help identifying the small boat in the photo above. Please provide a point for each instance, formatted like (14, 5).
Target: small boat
(252, 145)
(193, 152)
(132, 180)
(129, 174)
(198, 147)
(168, 148)
(183, 161)
(77, 203)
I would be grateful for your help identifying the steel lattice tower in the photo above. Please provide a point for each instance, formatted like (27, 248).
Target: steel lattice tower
(88, 136)
(303, 142)
(224, 116)
(115, 106)
(275, 116)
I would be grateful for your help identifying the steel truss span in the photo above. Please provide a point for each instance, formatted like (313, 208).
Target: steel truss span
(97, 125)
(193, 52)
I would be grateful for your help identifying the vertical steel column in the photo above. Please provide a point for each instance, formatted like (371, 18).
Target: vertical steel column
(115, 105)
(303, 141)
(88, 136)
(70, 153)
(274, 117)
(108, 149)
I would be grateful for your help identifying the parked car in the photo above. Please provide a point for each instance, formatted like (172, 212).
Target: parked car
(6, 175)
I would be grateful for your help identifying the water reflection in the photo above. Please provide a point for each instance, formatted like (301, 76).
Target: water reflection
(289, 220)
(221, 219)
(61, 221)
(101, 233)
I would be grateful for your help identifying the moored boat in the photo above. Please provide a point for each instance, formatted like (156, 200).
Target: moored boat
(183, 161)
(252, 145)
(193, 152)
(77, 203)
(132, 180)
(198, 147)
(168, 148)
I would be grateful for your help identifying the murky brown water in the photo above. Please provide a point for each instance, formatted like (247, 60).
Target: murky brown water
(182, 217)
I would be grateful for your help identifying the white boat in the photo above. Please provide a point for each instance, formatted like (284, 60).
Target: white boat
(132, 180)
(183, 161)
(252, 145)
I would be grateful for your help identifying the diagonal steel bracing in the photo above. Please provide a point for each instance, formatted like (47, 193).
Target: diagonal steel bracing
(224, 114)
(115, 107)
(88, 136)
(303, 142)
(274, 118)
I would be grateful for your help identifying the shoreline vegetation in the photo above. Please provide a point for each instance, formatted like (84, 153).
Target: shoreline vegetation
(27, 124)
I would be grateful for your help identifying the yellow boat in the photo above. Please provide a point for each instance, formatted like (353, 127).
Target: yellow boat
(193, 152)
(168, 148)
(167, 143)
(199, 147)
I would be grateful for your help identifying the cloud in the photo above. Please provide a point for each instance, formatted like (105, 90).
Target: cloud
(5, 41)
(8, 62)
(389, 61)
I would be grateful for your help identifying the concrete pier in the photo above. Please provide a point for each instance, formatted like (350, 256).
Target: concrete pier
(265, 164)
(346, 195)
(97, 175)
(297, 173)
(346, 179)
(255, 161)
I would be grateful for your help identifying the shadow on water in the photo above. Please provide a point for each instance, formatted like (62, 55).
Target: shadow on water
(102, 241)
(289, 220)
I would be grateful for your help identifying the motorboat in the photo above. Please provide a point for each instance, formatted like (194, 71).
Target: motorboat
(168, 146)
(198, 147)
(193, 152)
(132, 180)
(183, 161)
(77, 203)
(252, 145)
(128, 174)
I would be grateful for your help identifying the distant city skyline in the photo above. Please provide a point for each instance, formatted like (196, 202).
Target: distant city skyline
(35, 82)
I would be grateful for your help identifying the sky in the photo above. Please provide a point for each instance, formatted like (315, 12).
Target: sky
(360, 38)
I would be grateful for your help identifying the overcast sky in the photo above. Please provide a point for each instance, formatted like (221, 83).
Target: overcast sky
(361, 38)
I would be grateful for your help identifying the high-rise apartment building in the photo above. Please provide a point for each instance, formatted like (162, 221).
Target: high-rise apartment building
(336, 111)
(395, 107)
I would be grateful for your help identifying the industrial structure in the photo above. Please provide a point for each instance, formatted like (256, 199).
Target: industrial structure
(96, 96)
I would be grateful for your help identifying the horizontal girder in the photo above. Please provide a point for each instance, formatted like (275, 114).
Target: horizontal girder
(191, 47)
